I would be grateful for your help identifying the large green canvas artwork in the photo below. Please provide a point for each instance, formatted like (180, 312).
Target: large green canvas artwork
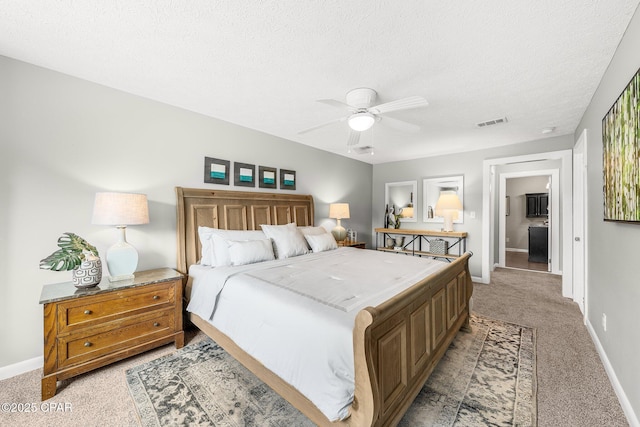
(621, 156)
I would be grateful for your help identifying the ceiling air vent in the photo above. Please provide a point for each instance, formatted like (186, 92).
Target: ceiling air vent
(367, 149)
(492, 122)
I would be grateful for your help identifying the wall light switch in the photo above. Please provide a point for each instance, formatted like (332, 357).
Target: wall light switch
(472, 214)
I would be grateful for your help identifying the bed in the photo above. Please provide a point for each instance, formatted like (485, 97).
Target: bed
(394, 344)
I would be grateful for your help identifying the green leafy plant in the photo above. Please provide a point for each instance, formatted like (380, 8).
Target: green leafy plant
(73, 250)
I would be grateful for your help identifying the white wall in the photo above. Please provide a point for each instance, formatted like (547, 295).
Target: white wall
(63, 139)
(613, 285)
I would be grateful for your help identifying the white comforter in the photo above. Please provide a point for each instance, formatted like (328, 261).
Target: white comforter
(296, 315)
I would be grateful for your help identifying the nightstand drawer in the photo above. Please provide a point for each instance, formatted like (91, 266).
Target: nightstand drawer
(86, 312)
(78, 348)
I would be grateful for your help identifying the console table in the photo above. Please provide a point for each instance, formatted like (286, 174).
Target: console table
(414, 238)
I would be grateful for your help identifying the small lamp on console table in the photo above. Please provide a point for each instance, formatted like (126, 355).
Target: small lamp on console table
(121, 209)
(447, 207)
(339, 211)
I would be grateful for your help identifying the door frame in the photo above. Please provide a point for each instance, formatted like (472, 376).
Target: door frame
(554, 231)
(488, 212)
(580, 294)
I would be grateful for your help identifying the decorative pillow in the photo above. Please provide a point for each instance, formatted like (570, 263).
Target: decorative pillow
(215, 249)
(288, 241)
(321, 242)
(250, 251)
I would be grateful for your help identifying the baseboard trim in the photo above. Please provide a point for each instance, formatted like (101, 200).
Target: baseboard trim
(476, 279)
(21, 367)
(516, 250)
(617, 387)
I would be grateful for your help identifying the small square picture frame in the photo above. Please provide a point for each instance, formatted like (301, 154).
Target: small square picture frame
(267, 177)
(287, 179)
(216, 171)
(244, 174)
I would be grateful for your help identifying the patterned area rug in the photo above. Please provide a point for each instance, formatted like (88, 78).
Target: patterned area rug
(487, 377)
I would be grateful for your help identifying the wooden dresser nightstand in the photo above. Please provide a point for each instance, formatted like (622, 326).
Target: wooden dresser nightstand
(85, 329)
(352, 244)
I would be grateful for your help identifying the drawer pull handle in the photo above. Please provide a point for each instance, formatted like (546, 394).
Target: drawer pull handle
(87, 344)
(156, 324)
(156, 297)
(87, 312)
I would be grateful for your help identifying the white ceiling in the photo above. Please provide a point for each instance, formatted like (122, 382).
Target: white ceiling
(263, 64)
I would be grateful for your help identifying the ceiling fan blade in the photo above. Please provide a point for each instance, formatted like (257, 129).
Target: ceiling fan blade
(336, 103)
(354, 138)
(341, 119)
(399, 104)
(400, 125)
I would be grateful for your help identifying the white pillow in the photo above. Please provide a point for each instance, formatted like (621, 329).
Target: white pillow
(321, 242)
(207, 255)
(250, 251)
(215, 249)
(312, 231)
(288, 241)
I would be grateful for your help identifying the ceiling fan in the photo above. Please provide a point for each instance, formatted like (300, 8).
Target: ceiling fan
(363, 114)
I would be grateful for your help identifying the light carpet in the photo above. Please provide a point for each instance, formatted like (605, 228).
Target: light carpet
(486, 377)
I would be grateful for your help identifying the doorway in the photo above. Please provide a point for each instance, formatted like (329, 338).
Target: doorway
(527, 225)
(546, 181)
(490, 214)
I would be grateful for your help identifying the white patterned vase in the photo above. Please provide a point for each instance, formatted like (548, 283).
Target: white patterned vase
(89, 273)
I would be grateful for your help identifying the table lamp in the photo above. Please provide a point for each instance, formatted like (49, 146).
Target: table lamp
(121, 209)
(339, 211)
(448, 206)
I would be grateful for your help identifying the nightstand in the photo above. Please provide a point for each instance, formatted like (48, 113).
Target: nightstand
(85, 329)
(352, 244)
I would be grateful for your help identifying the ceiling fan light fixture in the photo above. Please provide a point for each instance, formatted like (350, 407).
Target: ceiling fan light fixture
(361, 121)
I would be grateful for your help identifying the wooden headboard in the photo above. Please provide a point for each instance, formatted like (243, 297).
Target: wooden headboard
(232, 210)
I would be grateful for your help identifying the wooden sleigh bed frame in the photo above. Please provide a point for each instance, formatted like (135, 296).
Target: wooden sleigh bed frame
(396, 344)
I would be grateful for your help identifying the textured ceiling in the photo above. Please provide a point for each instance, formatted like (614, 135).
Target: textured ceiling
(263, 64)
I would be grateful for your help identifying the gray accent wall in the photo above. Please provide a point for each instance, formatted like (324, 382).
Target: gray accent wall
(469, 165)
(63, 139)
(613, 285)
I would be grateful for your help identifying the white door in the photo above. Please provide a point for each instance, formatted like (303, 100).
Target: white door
(579, 220)
(550, 223)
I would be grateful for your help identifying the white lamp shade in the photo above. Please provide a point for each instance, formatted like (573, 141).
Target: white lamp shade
(120, 209)
(339, 210)
(407, 212)
(361, 121)
(448, 200)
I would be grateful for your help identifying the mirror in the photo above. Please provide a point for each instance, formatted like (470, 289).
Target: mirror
(431, 188)
(403, 195)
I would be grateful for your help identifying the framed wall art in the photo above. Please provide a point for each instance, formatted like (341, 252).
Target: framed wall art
(244, 174)
(287, 179)
(267, 177)
(216, 171)
(621, 156)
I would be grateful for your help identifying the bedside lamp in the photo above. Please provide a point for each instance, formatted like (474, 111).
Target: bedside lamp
(447, 207)
(121, 209)
(339, 211)
(407, 212)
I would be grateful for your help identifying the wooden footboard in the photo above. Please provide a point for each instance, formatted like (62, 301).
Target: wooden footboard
(396, 347)
(398, 343)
